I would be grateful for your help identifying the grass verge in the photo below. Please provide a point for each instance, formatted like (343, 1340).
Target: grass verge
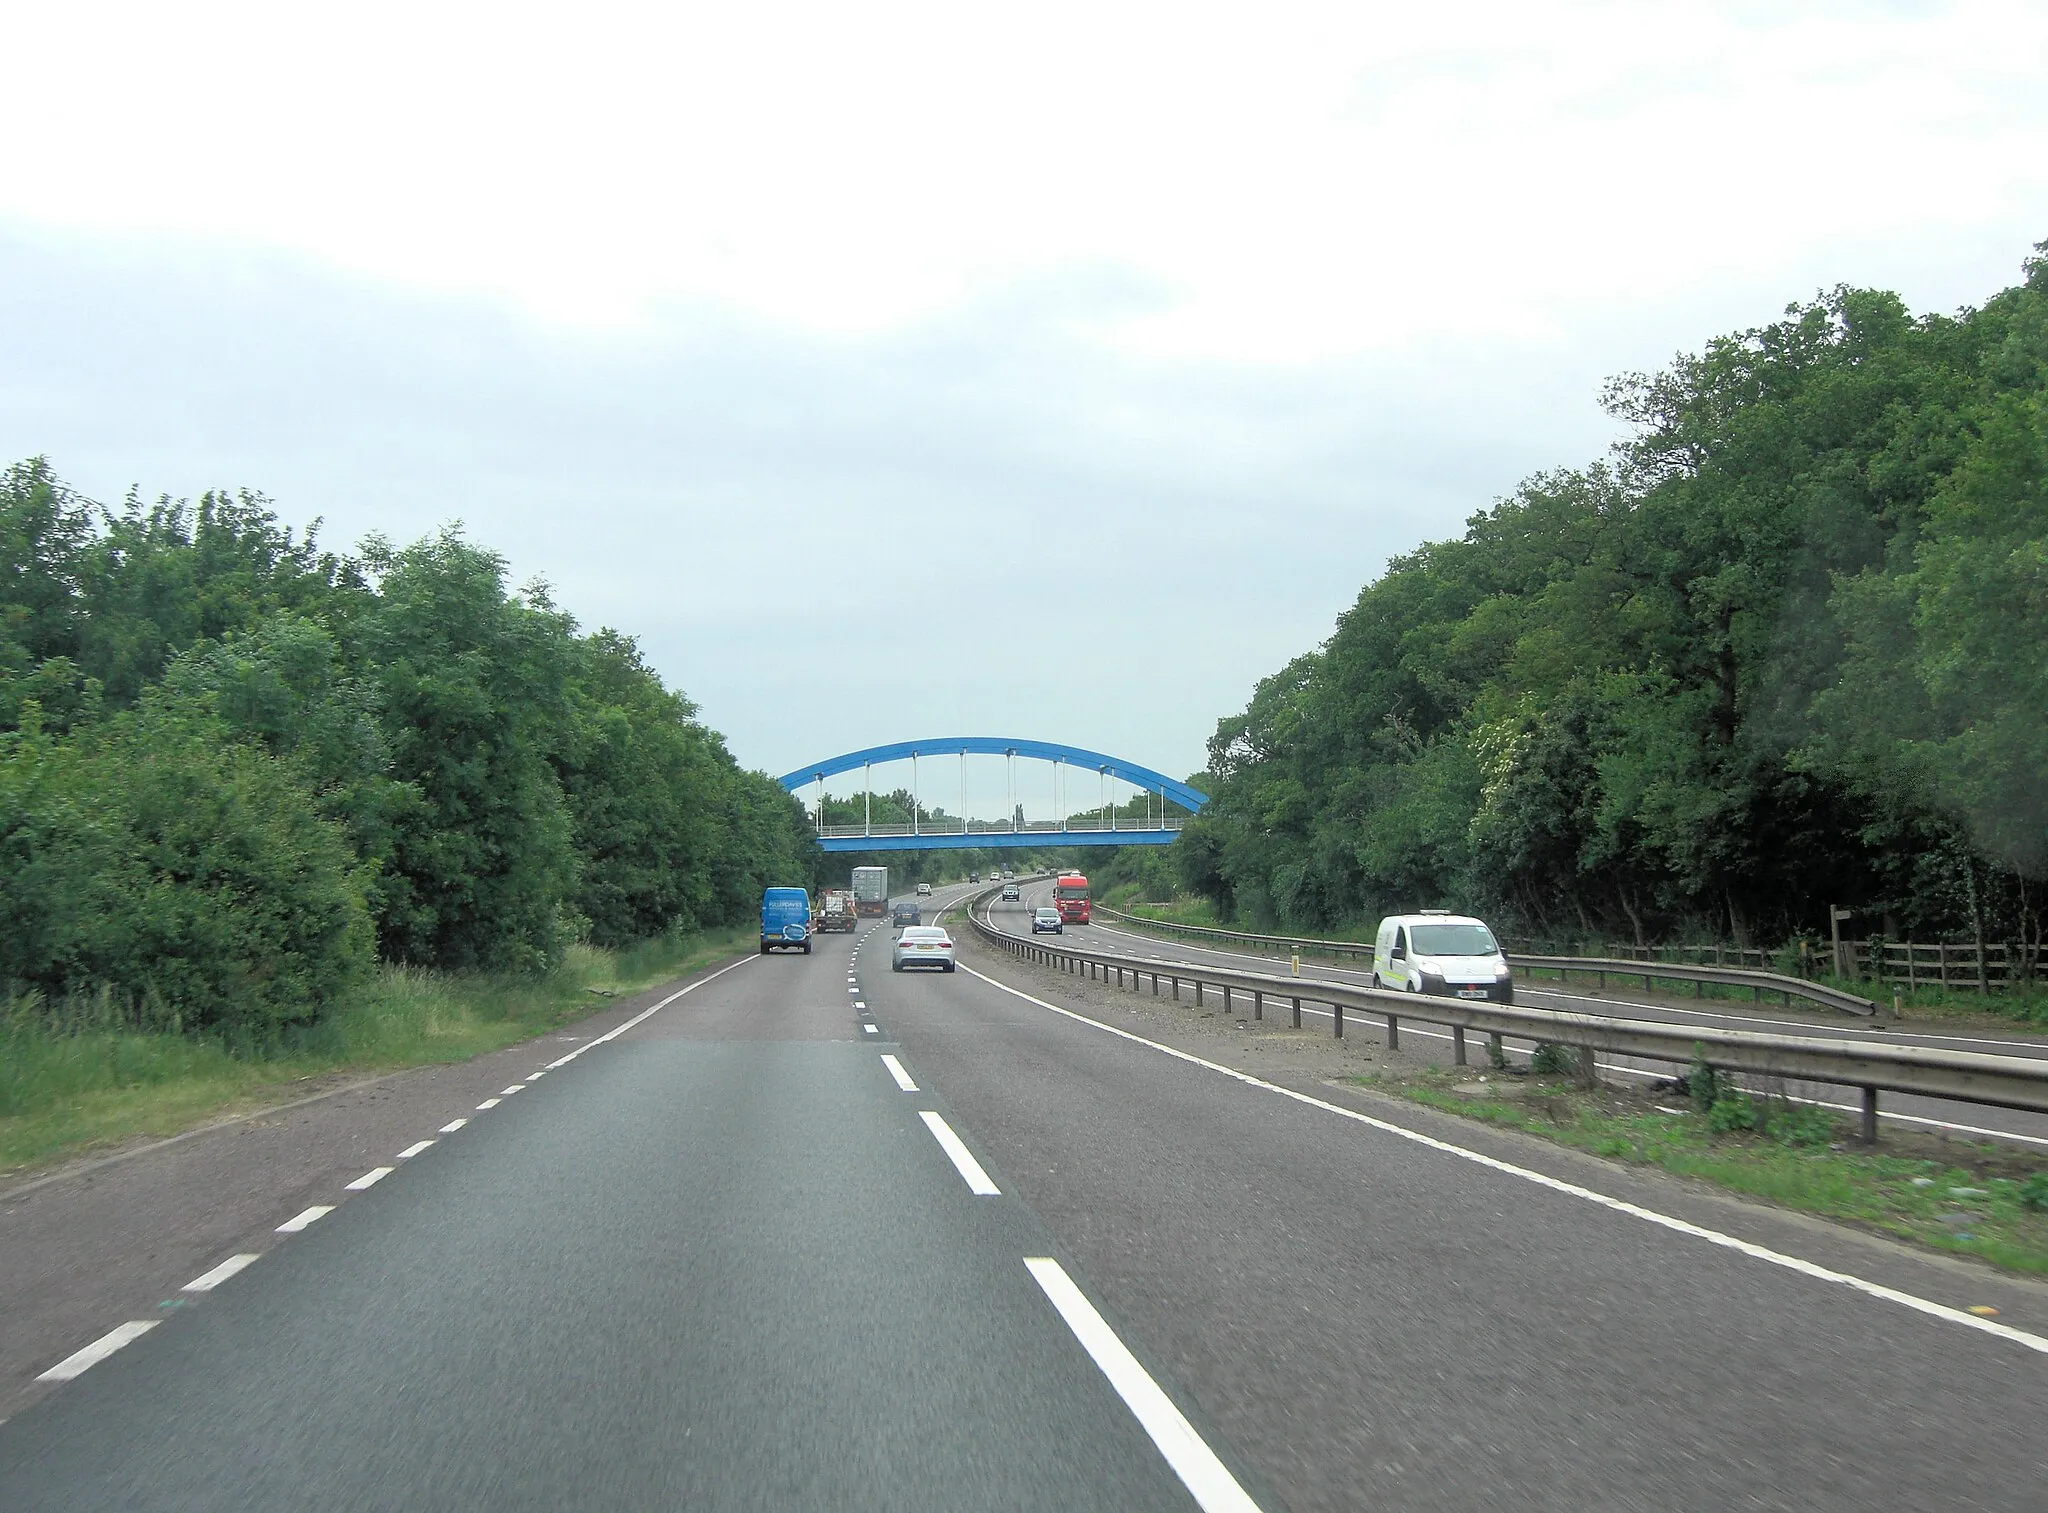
(64, 1094)
(1969, 1197)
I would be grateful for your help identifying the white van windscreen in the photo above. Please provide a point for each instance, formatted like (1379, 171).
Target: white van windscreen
(1452, 940)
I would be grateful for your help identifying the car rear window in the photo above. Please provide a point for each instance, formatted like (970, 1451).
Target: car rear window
(924, 932)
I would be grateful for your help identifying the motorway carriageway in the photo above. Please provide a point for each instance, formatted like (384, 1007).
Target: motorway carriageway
(1937, 1115)
(806, 1234)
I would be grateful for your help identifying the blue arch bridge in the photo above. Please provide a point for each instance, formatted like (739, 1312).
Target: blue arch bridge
(1102, 826)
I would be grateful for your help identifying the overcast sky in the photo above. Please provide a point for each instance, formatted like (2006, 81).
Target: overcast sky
(907, 370)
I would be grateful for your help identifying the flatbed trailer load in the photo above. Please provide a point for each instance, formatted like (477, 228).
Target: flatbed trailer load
(836, 914)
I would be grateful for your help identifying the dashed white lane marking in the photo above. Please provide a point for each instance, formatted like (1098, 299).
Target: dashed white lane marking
(1207, 1479)
(212, 1279)
(489, 1103)
(452, 1126)
(860, 1003)
(535, 1077)
(896, 1070)
(507, 1092)
(298, 1222)
(853, 990)
(869, 1029)
(617, 1030)
(970, 1169)
(81, 1361)
(369, 1178)
(414, 1149)
(1748, 1248)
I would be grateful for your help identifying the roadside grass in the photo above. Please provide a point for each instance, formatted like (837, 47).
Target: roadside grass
(1974, 1198)
(89, 1083)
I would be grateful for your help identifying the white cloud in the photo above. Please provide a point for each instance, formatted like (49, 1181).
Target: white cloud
(1326, 178)
(1182, 318)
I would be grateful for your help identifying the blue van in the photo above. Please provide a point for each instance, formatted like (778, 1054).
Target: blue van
(785, 920)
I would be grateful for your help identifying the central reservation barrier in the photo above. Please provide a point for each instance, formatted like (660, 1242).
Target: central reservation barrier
(2016, 1082)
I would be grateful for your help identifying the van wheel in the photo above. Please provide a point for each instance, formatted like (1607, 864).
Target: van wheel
(764, 948)
(807, 948)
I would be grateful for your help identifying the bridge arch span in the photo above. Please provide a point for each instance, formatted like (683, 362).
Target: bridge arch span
(962, 831)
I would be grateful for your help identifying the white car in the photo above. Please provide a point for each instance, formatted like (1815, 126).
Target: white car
(922, 946)
(1448, 955)
(924, 890)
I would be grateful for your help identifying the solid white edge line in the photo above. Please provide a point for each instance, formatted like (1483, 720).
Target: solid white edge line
(80, 1361)
(452, 1126)
(1631, 1071)
(1748, 1248)
(645, 1014)
(369, 1178)
(1847, 1032)
(970, 1170)
(299, 1221)
(896, 1070)
(1207, 1479)
(212, 1279)
(414, 1149)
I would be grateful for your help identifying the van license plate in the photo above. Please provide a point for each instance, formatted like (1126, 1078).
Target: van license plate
(1471, 992)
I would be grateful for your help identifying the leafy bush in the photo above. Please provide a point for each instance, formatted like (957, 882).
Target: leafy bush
(185, 874)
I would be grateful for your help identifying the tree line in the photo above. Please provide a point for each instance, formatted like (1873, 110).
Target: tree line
(1786, 647)
(237, 769)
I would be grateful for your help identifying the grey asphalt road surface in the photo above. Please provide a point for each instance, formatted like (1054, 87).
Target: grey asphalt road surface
(1372, 1319)
(719, 1263)
(1935, 1114)
(728, 1260)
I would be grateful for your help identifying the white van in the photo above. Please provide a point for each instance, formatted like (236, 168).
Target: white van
(1449, 955)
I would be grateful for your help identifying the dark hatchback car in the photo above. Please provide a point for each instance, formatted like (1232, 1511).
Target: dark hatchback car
(904, 913)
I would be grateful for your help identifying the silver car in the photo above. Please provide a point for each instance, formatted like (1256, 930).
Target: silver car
(922, 946)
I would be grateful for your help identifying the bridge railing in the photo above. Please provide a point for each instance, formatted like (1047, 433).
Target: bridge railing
(1051, 828)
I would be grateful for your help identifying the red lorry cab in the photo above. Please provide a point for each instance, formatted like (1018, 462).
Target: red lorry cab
(1070, 897)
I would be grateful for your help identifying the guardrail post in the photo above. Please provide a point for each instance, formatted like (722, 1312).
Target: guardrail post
(1457, 1045)
(1867, 1133)
(1226, 1000)
(1258, 1004)
(1198, 992)
(1338, 1010)
(1297, 1013)
(1155, 984)
(1589, 1071)
(1393, 1033)
(1176, 988)
(1496, 1054)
